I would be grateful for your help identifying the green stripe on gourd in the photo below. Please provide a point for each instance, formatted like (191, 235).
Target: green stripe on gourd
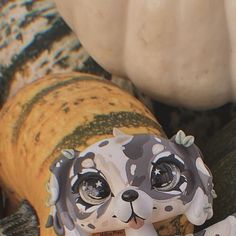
(104, 124)
(28, 106)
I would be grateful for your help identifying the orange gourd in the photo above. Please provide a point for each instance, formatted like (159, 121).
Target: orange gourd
(57, 112)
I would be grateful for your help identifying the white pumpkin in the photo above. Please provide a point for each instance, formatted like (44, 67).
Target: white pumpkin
(181, 52)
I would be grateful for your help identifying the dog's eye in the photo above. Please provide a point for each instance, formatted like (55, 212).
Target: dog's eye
(94, 190)
(164, 176)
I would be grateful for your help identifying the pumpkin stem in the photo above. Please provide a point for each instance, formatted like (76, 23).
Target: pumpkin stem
(23, 222)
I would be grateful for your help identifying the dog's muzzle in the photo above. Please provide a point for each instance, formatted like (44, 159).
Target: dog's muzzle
(133, 206)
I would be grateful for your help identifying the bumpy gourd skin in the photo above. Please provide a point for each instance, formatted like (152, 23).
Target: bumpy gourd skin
(179, 52)
(59, 112)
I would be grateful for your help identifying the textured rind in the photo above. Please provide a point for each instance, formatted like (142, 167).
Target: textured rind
(34, 42)
(53, 117)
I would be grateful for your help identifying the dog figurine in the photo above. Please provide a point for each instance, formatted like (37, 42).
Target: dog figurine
(130, 182)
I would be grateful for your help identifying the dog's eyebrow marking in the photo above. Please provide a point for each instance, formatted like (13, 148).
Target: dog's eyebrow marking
(104, 143)
(157, 148)
(168, 157)
(169, 208)
(88, 170)
(161, 155)
(88, 155)
(179, 159)
(87, 163)
(132, 169)
(183, 186)
(91, 226)
(74, 180)
(158, 140)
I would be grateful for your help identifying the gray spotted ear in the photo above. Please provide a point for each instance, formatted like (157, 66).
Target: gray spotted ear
(184, 140)
(61, 215)
(121, 137)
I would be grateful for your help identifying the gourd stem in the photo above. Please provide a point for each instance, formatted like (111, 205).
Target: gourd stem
(23, 222)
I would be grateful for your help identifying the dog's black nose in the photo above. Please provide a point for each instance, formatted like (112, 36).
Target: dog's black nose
(130, 195)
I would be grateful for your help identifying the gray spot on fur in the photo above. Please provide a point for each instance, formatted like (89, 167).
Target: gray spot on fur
(168, 208)
(49, 222)
(89, 155)
(104, 143)
(91, 226)
(143, 162)
(78, 162)
(137, 152)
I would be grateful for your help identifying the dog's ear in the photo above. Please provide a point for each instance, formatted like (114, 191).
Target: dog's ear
(121, 137)
(60, 218)
(201, 206)
(200, 209)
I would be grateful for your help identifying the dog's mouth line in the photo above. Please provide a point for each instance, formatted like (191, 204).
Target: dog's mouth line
(135, 218)
(135, 221)
(134, 215)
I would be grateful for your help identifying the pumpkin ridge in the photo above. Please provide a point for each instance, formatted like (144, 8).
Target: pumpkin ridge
(102, 124)
(28, 106)
(42, 40)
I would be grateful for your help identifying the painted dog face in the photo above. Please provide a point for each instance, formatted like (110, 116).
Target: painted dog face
(128, 181)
